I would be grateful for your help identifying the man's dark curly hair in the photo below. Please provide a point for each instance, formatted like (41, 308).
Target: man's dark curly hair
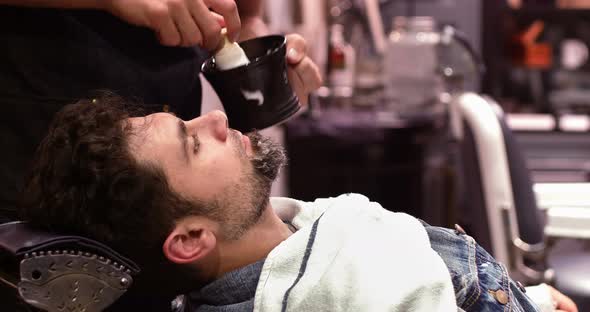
(85, 181)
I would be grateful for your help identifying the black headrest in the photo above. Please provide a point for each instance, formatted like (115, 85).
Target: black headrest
(19, 239)
(55, 272)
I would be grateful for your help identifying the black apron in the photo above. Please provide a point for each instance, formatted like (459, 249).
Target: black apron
(50, 58)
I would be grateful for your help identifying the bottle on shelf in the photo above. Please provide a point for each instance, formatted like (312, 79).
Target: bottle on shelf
(341, 64)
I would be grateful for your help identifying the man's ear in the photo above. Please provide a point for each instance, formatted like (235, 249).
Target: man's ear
(189, 242)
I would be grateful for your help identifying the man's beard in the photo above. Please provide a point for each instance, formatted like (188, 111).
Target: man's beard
(245, 201)
(269, 157)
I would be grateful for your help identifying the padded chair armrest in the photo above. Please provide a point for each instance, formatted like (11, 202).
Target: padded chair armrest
(537, 253)
(531, 250)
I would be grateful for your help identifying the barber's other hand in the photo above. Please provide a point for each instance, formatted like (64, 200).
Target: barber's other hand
(563, 302)
(181, 22)
(303, 73)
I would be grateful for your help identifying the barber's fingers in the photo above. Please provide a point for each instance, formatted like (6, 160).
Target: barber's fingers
(298, 86)
(297, 59)
(229, 10)
(187, 27)
(303, 73)
(219, 18)
(296, 48)
(173, 23)
(207, 22)
(166, 29)
(309, 73)
(191, 22)
(304, 78)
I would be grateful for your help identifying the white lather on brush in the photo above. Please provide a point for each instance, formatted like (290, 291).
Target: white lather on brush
(230, 55)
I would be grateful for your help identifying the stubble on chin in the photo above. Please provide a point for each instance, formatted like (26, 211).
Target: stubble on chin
(246, 200)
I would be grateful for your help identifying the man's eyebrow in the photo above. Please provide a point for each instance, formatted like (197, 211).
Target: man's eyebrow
(183, 137)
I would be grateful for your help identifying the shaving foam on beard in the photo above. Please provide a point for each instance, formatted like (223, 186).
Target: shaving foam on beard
(230, 55)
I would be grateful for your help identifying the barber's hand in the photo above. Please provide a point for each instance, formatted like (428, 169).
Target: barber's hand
(563, 302)
(181, 22)
(303, 73)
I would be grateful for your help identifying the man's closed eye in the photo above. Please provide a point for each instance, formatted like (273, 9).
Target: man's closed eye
(196, 144)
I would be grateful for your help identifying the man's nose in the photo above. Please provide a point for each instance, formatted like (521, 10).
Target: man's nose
(216, 121)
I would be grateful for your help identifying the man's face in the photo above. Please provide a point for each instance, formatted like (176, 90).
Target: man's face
(205, 162)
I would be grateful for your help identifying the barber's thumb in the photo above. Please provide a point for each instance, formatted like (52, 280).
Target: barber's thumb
(294, 56)
(232, 35)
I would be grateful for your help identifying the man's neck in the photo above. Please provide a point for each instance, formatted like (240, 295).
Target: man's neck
(255, 244)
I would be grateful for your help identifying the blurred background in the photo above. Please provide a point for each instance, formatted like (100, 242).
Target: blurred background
(455, 111)
(472, 114)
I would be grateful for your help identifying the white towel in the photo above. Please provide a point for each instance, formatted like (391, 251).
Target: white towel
(350, 254)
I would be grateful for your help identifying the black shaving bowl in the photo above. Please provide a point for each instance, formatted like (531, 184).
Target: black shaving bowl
(257, 95)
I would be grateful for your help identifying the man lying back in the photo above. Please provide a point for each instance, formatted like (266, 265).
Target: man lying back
(189, 202)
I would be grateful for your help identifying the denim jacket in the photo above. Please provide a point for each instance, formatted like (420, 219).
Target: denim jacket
(480, 282)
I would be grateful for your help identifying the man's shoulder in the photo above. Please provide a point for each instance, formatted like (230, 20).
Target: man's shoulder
(360, 206)
(298, 211)
(342, 213)
(346, 208)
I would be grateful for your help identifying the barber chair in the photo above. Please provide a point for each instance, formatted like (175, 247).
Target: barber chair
(50, 272)
(499, 207)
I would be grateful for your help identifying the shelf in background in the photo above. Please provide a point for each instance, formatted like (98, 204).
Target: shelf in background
(548, 13)
(546, 122)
